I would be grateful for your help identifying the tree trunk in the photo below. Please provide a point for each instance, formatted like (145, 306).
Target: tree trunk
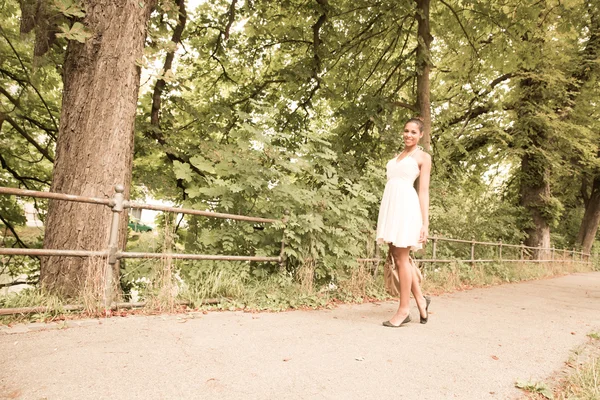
(534, 190)
(591, 219)
(533, 135)
(423, 62)
(94, 148)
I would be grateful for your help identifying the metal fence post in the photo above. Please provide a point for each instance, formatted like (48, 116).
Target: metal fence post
(113, 242)
(573, 254)
(285, 218)
(434, 248)
(552, 254)
(472, 251)
(522, 251)
(500, 249)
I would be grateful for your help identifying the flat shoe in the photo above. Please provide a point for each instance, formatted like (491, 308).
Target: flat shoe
(427, 302)
(390, 325)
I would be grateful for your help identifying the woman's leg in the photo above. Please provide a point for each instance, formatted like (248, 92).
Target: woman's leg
(417, 293)
(405, 274)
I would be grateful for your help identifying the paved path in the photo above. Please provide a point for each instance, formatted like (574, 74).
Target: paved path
(475, 346)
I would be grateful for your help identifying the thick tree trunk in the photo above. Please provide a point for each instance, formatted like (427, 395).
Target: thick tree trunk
(534, 190)
(423, 61)
(532, 134)
(94, 148)
(591, 219)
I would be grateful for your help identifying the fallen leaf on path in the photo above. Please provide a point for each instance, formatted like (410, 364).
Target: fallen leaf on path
(286, 359)
(360, 359)
(495, 357)
(572, 333)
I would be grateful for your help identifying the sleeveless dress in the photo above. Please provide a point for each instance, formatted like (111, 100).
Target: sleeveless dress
(399, 221)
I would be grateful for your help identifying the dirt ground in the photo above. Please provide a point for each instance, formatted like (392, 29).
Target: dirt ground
(476, 345)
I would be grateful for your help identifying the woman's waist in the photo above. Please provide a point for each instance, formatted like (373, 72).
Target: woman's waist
(401, 180)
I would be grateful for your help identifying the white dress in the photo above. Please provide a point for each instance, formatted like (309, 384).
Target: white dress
(400, 221)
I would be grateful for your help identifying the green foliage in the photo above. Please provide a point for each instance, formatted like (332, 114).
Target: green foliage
(69, 8)
(76, 32)
(536, 387)
(291, 109)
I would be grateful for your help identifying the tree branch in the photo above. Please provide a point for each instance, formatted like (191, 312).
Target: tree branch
(257, 91)
(27, 137)
(12, 229)
(161, 83)
(481, 109)
(29, 79)
(461, 26)
(18, 177)
(17, 104)
(231, 19)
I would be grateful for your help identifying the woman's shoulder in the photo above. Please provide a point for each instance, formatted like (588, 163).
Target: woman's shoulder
(423, 158)
(422, 153)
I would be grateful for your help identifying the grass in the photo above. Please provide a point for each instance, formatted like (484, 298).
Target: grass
(442, 278)
(32, 298)
(236, 285)
(583, 383)
(583, 380)
(580, 380)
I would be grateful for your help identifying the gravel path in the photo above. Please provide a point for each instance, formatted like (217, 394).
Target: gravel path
(476, 345)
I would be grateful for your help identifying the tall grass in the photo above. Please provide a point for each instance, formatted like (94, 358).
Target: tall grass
(454, 276)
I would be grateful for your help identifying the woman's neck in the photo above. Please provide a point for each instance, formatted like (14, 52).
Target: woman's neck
(410, 149)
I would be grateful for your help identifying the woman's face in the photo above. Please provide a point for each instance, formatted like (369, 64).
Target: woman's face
(411, 134)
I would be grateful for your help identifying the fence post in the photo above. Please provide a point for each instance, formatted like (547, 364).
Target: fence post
(573, 254)
(522, 251)
(472, 252)
(285, 218)
(552, 254)
(434, 249)
(500, 249)
(113, 242)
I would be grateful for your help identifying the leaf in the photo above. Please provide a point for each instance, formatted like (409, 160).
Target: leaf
(202, 164)
(69, 8)
(182, 171)
(77, 32)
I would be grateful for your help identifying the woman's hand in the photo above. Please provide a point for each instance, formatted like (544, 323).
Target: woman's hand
(423, 234)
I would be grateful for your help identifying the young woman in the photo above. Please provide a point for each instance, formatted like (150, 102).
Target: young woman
(404, 218)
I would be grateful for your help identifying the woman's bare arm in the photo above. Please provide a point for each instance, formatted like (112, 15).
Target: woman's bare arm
(424, 176)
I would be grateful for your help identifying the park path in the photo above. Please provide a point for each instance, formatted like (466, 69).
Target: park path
(476, 344)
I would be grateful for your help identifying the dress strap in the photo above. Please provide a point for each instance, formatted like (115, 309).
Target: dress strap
(412, 152)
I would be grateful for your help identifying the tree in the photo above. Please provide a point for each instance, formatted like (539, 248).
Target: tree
(587, 76)
(94, 148)
(423, 61)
